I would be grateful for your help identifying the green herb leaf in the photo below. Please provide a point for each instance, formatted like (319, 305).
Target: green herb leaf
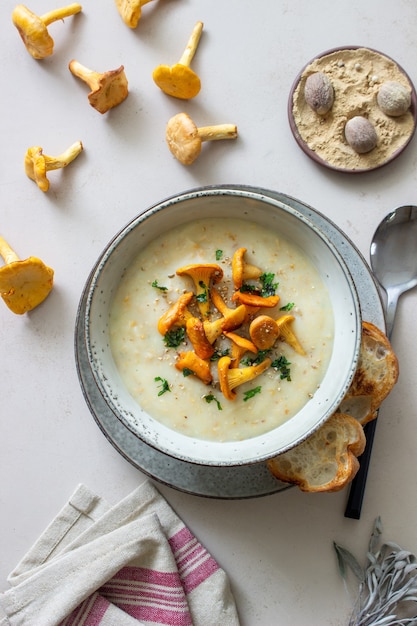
(268, 286)
(281, 364)
(155, 284)
(387, 585)
(248, 288)
(173, 338)
(164, 386)
(219, 254)
(187, 372)
(252, 392)
(210, 398)
(202, 297)
(287, 307)
(346, 559)
(219, 353)
(261, 356)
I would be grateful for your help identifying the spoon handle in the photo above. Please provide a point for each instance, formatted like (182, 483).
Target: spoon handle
(391, 309)
(357, 489)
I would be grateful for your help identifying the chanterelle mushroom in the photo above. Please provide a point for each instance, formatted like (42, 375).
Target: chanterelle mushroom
(33, 29)
(287, 334)
(37, 164)
(241, 270)
(179, 80)
(184, 139)
(231, 377)
(177, 314)
(107, 89)
(264, 331)
(131, 11)
(23, 284)
(202, 275)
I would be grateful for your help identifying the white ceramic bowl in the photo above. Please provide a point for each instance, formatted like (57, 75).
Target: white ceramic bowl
(240, 203)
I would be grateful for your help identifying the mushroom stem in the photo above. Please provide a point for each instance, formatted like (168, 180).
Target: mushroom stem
(63, 159)
(90, 77)
(220, 131)
(6, 252)
(190, 50)
(60, 14)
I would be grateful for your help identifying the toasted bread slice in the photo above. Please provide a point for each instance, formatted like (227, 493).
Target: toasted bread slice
(376, 375)
(327, 460)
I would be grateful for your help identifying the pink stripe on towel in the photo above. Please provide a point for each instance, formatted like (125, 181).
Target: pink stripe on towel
(194, 563)
(149, 595)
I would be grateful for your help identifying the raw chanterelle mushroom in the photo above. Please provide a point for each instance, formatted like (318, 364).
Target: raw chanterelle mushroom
(37, 164)
(131, 11)
(179, 80)
(33, 29)
(184, 139)
(23, 284)
(107, 90)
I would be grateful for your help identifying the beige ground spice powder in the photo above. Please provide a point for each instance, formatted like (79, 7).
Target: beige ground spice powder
(356, 76)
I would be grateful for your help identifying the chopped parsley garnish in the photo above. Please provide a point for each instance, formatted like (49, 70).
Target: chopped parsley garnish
(210, 398)
(248, 288)
(287, 307)
(164, 385)
(261, 356)
(219, 254)
(268, 286)
(187, 372)
(252, 392)
(281, 365)
(174, 337)
(218, 354)
(202, 297)
(155, 284)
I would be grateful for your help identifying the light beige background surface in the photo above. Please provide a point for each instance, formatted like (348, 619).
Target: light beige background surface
(277, 550)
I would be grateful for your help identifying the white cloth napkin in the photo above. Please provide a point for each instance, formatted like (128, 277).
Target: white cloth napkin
(123, 565)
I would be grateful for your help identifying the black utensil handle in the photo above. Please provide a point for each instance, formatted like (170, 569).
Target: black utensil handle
(357, 488)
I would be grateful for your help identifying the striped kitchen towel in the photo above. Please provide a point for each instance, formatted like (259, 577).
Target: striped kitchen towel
(123, 565)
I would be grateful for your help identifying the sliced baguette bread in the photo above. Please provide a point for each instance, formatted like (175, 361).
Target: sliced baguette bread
(375, 376)
(327, 460)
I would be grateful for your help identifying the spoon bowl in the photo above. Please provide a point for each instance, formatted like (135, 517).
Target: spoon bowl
(393, 257)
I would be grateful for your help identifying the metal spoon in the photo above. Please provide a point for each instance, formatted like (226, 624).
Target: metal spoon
(393, 257)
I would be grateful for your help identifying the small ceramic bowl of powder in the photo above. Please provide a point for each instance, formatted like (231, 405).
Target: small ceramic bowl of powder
(356, 75)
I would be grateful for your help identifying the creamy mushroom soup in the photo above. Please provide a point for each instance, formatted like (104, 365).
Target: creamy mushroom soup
(179, 399)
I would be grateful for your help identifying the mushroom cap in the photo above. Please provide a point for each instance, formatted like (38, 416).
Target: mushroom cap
(112, 88)
(177, 313)
(130, 12)
(178, 81)
(255, 300)
(264, 331)
(35, 167)
(25, 284)
(240, 345)
(197, 336)
(33, 32)
(200, 367)
(182, 138)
